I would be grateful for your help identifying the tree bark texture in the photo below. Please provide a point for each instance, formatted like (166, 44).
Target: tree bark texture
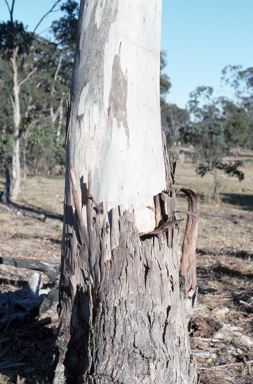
(122, 309)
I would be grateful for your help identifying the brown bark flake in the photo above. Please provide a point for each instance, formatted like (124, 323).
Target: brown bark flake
(122, 317)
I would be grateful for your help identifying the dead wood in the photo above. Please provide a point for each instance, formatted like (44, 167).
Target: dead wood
(224, 366)
(188, 260)
(20, 381)
(204, 327)
(43, 322)
(52, 270)
(106, 286)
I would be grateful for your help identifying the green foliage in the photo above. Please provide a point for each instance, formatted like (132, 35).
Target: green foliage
(174, 120)
(208, 139)
(5, 149)
(43, 152)
(12, 35)
(165, 83)
(65, 29)
(237, 130)
(231, 168)
(219, 170)
(43, 96)
(241, 82)
(199, 104)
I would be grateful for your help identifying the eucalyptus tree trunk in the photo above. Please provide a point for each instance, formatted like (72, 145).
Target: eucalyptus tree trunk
(15, 100)
(15, 170)
(59, 128)
(122, 311)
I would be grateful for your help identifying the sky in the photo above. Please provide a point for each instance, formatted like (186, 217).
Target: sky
(200, 37)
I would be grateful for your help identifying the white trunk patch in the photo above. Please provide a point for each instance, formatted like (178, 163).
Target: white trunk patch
(99, 13)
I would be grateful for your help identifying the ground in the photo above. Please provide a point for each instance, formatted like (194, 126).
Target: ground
(221, 324)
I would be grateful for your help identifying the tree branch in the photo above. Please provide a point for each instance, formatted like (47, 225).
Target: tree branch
(8, 7)
(27, 77)
(12, 9)
(43, 17)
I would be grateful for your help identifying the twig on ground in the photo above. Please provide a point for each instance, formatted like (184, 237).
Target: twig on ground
(224, 366)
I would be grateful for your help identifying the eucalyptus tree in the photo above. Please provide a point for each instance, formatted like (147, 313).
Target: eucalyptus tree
(123, 282)
(239, 109)
(15, 43)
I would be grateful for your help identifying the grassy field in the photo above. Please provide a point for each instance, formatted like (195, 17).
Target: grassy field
(224, 257)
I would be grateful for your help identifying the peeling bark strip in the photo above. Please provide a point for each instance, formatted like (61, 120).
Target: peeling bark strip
(188, 261)
(121, 321)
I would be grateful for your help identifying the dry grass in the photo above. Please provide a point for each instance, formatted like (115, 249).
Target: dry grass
(22, 236)
(225, 252)
(224, 260)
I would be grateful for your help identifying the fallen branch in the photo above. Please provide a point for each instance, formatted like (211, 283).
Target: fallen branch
(43, 322)
(224, 366)
(247, 304)
(50, 269)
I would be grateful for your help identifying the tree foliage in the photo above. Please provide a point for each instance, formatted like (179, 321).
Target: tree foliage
(43, 95)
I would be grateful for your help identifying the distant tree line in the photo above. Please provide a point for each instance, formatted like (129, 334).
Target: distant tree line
(212, 125)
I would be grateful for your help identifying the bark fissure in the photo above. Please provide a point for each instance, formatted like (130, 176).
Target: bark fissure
(114, 332)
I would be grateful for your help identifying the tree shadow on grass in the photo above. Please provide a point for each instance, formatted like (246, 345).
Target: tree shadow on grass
(223, 270)
(28, 352)
(244, 201)
(245, 255)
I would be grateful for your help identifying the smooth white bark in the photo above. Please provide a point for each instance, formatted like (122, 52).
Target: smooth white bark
(115, 130)
(15, 170)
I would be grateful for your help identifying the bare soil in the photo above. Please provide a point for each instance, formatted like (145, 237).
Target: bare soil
(221, 324)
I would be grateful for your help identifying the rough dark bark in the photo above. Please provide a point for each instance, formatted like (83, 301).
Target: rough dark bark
(122, 314)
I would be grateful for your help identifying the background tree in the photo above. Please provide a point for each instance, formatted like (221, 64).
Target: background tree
(15, 43)
(174, 119)
(122, 315)
(206, 132)
(42, 97)
(239, 111)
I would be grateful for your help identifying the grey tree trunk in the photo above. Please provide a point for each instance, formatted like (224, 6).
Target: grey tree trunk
(15, 170)
(6, 192)
(122, 310)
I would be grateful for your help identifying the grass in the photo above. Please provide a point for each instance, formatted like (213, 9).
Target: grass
(224, 262)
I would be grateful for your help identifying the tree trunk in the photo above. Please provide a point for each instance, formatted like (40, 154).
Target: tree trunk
(122, 312)
(6, 193)
(60, 121)
(15, 171)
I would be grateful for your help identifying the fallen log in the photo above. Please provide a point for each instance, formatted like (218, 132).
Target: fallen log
(52, 270)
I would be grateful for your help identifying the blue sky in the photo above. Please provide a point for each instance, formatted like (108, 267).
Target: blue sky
(200, 38)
